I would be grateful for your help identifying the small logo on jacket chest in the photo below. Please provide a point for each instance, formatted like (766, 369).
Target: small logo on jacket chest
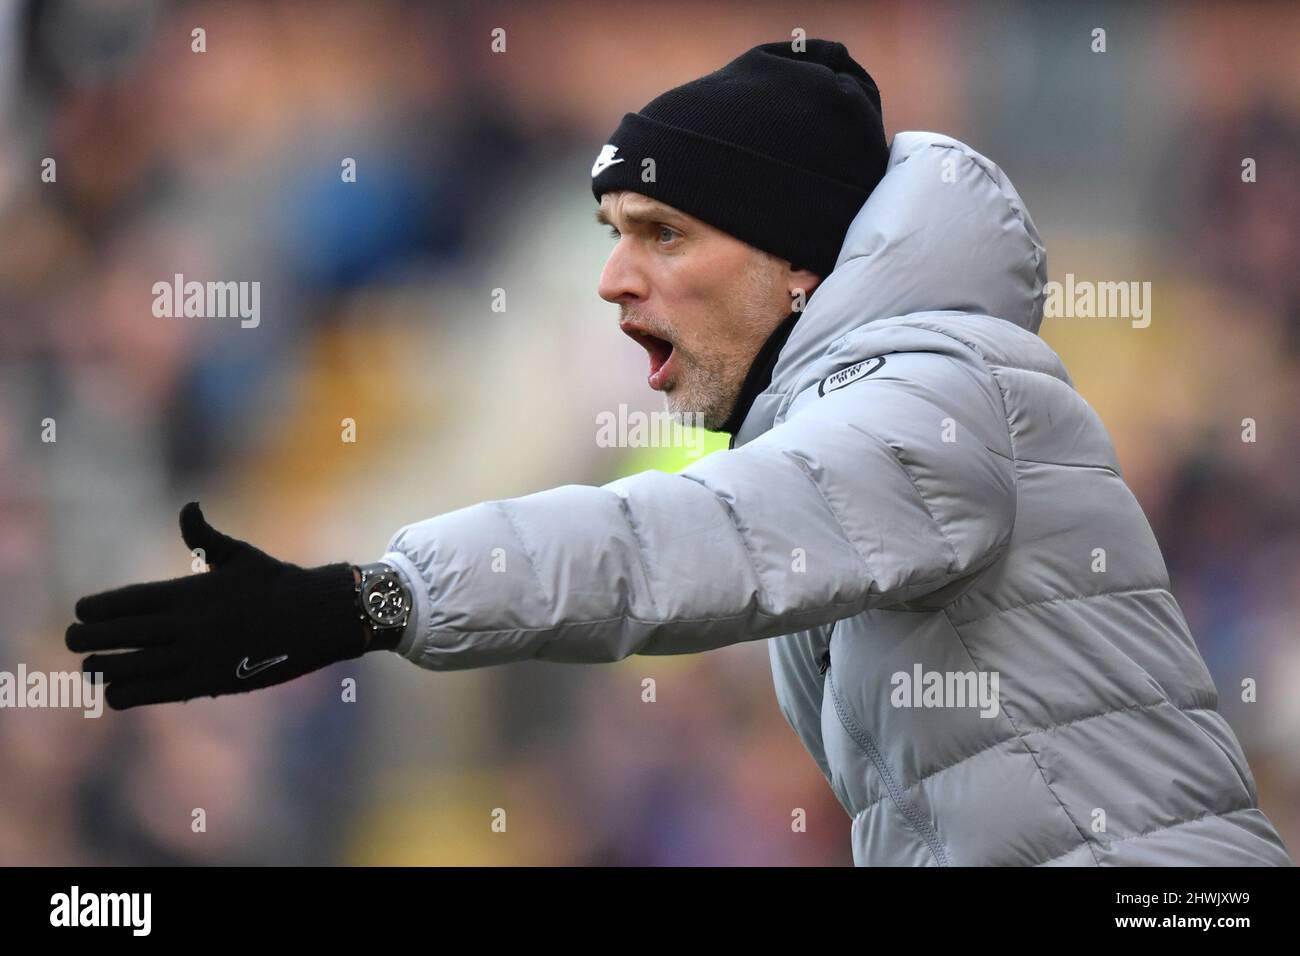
(847, 376)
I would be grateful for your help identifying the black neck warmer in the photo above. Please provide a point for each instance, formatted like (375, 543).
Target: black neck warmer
(759, 376)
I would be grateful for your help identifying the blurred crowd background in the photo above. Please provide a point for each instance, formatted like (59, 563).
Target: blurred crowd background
(473, 172)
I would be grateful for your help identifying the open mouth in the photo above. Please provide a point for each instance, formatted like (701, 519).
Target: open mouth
(661, 353)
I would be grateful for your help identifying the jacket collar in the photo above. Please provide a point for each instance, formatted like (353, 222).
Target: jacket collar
(908, 250)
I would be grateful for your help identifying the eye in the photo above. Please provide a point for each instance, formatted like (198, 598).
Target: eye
(672, 233)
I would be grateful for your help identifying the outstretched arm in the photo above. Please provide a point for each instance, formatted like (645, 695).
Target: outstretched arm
(875, 494)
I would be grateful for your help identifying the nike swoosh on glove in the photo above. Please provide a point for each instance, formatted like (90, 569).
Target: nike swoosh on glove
(250, 622)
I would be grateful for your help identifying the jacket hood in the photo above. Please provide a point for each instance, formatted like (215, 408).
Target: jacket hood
(943, 231)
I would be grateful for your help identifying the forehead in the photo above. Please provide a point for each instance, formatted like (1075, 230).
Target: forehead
(634, 206)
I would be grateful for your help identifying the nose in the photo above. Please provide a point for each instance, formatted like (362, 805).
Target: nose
(621, 281)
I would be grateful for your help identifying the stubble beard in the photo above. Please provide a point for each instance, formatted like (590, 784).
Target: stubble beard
(708, 385)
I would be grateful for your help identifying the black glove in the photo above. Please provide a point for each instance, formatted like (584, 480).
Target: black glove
(250, 622)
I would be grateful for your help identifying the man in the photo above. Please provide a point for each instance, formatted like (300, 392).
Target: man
(969, 620)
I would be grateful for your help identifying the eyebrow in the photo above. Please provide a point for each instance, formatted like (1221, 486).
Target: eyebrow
(642, 214)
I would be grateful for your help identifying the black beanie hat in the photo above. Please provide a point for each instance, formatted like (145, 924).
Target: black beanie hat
(778, 148)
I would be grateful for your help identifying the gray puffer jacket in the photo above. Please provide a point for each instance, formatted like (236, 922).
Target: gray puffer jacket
(969, 620)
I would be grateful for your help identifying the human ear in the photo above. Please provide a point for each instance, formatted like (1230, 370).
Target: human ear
(801, 280)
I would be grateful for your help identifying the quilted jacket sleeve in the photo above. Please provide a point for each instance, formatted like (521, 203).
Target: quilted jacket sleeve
(874, 494)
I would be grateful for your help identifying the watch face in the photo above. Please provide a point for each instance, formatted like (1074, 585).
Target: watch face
(385, 601)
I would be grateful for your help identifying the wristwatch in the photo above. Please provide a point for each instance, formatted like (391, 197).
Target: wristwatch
(383, 603)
